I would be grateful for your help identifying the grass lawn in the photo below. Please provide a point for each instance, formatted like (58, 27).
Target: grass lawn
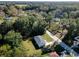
(47, 37)
(30, 49)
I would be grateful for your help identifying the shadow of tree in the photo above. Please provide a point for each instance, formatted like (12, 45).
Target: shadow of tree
(34, 43)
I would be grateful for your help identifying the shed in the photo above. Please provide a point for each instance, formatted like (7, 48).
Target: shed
(39, 41)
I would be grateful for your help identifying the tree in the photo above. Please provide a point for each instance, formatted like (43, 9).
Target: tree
(5, 27)
(14, 38)
(38, 24)
(13, 46)
(48, 19)
(1, 18)
(39, 27)
(31, 25)
(5, 50)
(77, 27)
(11, 10)
(65, 15)
(0, 36)
(68, 39)
(23, 25)
(2, 14)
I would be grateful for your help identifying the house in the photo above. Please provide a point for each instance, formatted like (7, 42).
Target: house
(54, 54)
(64, 53)
(75, 42)
(39, 41)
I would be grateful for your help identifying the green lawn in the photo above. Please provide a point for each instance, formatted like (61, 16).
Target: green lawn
(30, 49)
(47, 37)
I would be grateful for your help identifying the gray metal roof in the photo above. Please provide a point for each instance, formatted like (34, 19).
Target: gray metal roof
(40, 42)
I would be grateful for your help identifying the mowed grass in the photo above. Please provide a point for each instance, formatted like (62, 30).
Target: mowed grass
(30, 49)
(47, 37)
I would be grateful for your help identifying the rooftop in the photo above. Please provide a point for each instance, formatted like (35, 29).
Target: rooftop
(39, 40)
(54, 54)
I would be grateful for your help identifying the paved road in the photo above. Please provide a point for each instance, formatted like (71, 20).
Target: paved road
(62, 44)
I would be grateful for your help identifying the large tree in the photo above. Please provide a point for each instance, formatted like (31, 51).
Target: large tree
(14, 38)
(23, 25)
(5, 27)
(33, 24)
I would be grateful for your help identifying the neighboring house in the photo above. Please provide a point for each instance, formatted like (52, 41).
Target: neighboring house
(39, 41)
(53, 54)
(64, 53)
(75, 42)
